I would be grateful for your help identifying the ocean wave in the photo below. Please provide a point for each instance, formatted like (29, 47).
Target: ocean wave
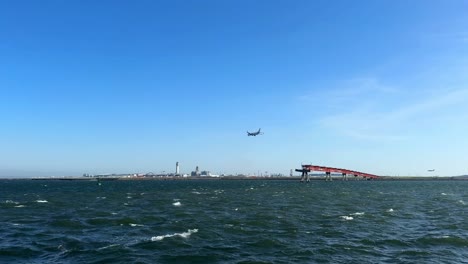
(443, 240)
(177, 204)
(106, 247)
(41, 201)
(183, 235)
(358, 213)
(71, 228)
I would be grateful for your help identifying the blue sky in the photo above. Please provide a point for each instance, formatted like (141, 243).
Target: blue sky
(134, 86)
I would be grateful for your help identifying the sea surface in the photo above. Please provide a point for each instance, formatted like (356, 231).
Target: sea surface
(233, 221)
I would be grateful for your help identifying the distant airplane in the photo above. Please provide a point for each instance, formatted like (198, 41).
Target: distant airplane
(431, 170)
(254, 133)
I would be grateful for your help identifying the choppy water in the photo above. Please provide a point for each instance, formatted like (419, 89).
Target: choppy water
(233, 222)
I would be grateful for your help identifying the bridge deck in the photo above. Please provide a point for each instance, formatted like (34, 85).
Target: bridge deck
(328, 170)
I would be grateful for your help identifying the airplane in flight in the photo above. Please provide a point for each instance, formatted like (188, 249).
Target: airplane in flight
(254, 133)
(431, 170)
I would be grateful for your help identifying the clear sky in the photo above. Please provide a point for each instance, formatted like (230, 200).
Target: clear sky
(134, 86)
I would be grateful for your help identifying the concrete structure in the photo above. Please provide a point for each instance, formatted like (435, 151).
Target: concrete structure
(177, 168)
(208, 174)
(196, 172)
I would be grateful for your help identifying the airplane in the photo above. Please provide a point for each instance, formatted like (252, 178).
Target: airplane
(254, 133)
(431, 170)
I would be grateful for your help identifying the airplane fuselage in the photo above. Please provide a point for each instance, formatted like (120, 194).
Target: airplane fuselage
(254, 133)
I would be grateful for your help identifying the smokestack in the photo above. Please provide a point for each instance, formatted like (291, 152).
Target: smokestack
(177, 168)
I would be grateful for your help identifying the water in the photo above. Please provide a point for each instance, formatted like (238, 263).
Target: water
(220, 221)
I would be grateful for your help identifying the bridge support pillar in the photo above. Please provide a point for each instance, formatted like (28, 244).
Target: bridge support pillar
(305, 176)
(328, 176)
(344, 177)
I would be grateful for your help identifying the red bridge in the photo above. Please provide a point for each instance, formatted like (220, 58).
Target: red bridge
(329, 170)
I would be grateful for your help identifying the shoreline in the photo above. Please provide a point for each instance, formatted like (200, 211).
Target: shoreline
(234, 178)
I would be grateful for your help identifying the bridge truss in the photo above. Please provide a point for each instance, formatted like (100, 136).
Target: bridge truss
(306, 168)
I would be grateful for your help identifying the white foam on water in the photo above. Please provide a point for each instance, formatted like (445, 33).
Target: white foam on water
(442, 237)
(177, 204)
(11, 202)
(183, 235)
(196, 192)
(109, 246)
(62, 248)
(113, 213)
(345, 217)
(390, 210)
(358, 213)
(129, 197)
(135, 225)
(462, 202)
(19, 206)
(42, 201)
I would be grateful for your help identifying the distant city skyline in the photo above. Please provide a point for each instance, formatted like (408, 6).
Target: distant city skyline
(120, 86)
